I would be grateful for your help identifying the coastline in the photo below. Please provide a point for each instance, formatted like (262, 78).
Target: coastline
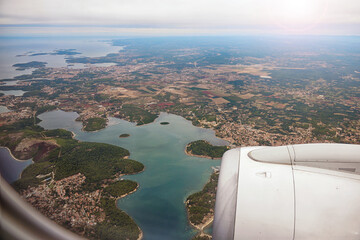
(201, 226)
(19, 160)
(200, 156)
(125, 194)
(73, 134)
(141, 234)
(125, 174)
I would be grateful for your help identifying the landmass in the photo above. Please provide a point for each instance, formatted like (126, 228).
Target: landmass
(164, 123)
(94, 124)
(67, 52)
(203, 148)
(65, 172)
(200, 206)
(249, 91)
(124, 135)
(32, 64)
(272, 98)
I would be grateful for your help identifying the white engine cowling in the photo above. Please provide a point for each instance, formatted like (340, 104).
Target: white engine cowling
(306, 191)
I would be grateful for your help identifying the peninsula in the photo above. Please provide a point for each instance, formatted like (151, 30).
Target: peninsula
(66, 172)
(203, 148)
(32, 64)
(200, 206)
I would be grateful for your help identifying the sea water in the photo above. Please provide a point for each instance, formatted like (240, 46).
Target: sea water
(11, 168)
(18, 50)
(170, 175)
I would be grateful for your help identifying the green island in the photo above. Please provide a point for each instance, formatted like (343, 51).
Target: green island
(32, 64)
(124, 135)
(67, 52)
(164, 123)
(204, 149)
(94, 124)
(133, 113)
(200, 206)
(66, 171)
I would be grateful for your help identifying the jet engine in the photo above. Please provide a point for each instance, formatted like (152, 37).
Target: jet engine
(298, 192)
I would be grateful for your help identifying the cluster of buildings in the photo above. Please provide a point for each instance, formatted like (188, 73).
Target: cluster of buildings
(65, 202)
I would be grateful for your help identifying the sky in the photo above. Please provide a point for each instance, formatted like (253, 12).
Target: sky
(180, 17)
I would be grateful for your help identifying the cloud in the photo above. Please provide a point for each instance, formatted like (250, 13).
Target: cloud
(181, 13)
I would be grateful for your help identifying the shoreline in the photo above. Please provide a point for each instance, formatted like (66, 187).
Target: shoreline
(141, 234)
(19, 160)
(201, 226)
(200, 156)
(125, 194)
(73, 134)
(125, 174)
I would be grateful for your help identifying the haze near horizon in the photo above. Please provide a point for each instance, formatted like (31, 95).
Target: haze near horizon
(179, 17)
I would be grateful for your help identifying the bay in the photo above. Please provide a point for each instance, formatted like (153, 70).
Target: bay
(170, 175)
(11, 168)
(19, 50)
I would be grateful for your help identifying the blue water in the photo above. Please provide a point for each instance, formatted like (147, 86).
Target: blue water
(17, 50)
(11, 168)
(169, 177)
(13, 92)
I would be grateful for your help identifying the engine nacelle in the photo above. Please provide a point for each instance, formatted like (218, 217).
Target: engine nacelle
(306, 191)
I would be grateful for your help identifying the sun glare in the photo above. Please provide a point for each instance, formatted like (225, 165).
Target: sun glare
(298, 15)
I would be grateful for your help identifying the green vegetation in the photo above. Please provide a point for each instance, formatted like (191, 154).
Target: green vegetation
(100, 97)
(137, 114)
(26, 123)
(201, 204)
(46, 108)
(72, 157)
(120, 188)
(164, 123)
(233, 99)
(58, 133)
(124, 135)
(28, 176)
(94, 124)
(204, 237)
(117, 225)
(35, 93)
(86, 157)
(32, 64)
(210, 118)
(203, 148)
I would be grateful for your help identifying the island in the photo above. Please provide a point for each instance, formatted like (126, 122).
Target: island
(200, 206)
(124, 135)
(94, 124)
(65, 172)
(203, 148)
(32, 64)
(67, 52)
(164, 123)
